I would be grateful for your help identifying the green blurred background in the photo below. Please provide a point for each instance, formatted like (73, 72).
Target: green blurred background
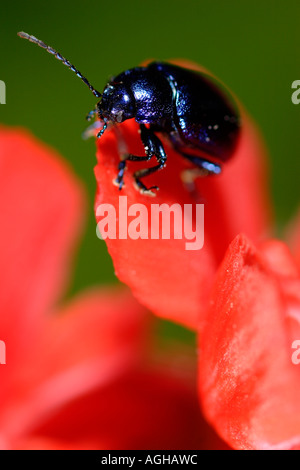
(251, 45)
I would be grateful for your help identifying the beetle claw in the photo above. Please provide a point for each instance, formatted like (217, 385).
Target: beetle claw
(149, 192)
(119, 183)
(144, 190)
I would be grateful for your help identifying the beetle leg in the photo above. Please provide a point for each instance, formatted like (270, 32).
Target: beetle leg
(208, 167)
(122, 166)
(91, 114)
(90, 130)
(153, 147)
(202, 168)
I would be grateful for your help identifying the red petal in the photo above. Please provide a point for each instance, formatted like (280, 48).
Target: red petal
(163, 275)
(85, 346)
(139, 410)
(281, 263)
(41, 211)
(248, 383)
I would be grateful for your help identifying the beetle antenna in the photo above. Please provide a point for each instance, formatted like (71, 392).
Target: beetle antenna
(58, 56)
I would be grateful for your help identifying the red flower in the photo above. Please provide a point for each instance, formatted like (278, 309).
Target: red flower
(248, 383)
(245, 308)
(77, 376)
(84, 376)
(171, 281)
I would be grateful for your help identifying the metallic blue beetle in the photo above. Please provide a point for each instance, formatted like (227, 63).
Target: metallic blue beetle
(190, 108)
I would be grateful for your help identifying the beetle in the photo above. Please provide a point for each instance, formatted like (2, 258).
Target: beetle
(190, 108)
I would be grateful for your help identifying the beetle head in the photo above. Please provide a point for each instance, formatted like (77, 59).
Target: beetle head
(117, 103)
